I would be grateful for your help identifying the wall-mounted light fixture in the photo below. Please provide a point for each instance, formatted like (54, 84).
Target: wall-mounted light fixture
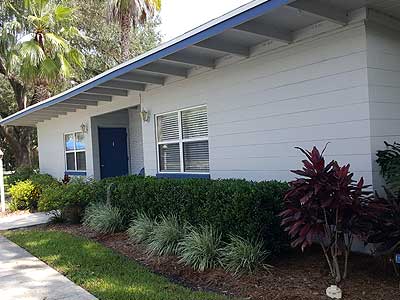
(84, 128)
(145, 114)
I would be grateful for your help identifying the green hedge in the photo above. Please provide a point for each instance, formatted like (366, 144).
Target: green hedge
(69, 199)
(240, 207)
(244, 208)
(26, 193)
(20, 174)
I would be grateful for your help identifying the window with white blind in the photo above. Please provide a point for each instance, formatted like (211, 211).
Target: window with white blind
(182, 141)
(75, 151)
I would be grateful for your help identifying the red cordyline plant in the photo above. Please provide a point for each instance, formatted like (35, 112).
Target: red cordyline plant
(325, 206)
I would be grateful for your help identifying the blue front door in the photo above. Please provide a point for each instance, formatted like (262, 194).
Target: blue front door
(113, 152)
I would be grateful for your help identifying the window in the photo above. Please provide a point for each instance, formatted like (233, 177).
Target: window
(182, 141)
(75, 155)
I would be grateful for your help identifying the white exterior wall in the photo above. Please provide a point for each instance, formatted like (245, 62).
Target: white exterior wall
(308, 94)
(384, 89)
(135, 141)
(51, 135)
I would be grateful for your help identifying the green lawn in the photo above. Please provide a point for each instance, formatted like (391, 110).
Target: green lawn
(99, 270)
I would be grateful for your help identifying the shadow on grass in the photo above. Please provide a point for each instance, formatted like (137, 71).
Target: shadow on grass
(101, 271)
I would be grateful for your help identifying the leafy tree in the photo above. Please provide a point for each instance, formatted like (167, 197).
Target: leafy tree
(101, 37)
(128, 14)
(33, 54)
(7, 106)
(20, 140)
(46, 55)
(83, 29)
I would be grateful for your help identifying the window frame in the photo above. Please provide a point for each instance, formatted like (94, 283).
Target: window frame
(180, 141)
(75, 151)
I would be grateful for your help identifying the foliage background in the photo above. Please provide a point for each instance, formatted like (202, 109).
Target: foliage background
(100, 46)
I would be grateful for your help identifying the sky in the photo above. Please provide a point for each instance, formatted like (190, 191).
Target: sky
(180, 16)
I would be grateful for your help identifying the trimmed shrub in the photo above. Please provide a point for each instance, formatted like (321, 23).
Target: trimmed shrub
(27, 187)
(43, 181)
(24, 195)
(20, 174)
(141, 228)
(70, 199)
(103, 218)
(51, 198)
(201, 248)
(167, 233)
(244, 208)
(243, 256)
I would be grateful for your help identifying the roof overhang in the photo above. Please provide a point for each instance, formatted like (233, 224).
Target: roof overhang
(236, 35)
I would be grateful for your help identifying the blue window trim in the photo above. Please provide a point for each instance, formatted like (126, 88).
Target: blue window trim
(183, 175)
(75, 173)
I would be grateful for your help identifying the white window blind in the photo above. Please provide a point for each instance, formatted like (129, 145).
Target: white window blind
(195, 156)
(168, 127)
(194, 123)
(169, 157)
(182, 139)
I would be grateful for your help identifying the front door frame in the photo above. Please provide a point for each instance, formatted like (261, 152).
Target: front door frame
(99, 128)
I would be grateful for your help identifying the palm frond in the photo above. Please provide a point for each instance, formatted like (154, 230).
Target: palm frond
(139, 11)
(66, 69)
(56, 43)
(13, 60)
(28, 72)
(32, 53)
(49, 69)
(76, 58)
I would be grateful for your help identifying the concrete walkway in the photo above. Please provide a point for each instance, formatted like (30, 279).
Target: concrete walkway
(25, 277)
(24, 220)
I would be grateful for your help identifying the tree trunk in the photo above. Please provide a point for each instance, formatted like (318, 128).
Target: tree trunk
(124, 38)
(20, 142)
(41, 92)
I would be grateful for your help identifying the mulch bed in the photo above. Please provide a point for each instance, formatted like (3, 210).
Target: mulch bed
(296, 276)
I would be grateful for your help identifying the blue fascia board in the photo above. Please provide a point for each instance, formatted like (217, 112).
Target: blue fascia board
(152, 56)
(183, 175)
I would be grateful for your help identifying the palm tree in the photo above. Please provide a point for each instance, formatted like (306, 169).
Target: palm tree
(46, 54)
(128, 14)
(35, 55)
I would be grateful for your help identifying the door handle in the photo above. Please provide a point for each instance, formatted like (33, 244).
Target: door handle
(102, 166)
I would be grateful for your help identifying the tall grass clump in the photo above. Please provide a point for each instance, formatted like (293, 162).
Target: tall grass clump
(103, 218)
(167, 234)
(201, 248)
(243, 256)
(141, 228)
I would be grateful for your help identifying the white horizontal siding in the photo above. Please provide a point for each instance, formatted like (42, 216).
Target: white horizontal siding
(50, 135)
(329, 89)
(383, 57)
(135, 141)
(261, 108)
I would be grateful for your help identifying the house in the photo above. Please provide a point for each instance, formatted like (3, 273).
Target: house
(233, 97)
